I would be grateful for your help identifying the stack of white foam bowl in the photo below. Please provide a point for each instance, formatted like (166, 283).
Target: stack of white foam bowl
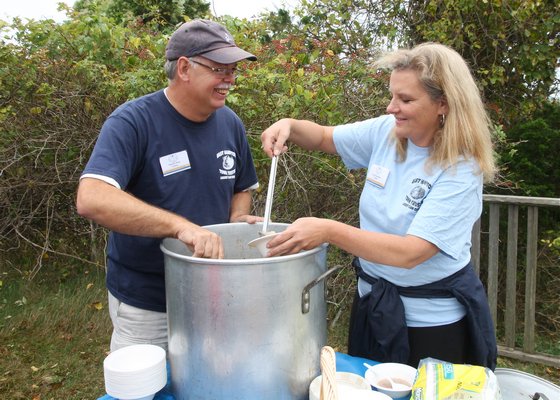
(135, 372)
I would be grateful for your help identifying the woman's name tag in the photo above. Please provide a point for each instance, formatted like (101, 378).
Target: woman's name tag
(378, 175)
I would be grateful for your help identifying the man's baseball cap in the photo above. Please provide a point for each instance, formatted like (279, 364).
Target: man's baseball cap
(205, 38)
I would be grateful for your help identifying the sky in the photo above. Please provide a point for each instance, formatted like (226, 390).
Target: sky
(41, 9)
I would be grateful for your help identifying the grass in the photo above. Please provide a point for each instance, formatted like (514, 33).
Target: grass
(54, 335)
(55, 332)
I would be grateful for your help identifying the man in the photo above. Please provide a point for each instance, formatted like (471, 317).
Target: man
(164, 165)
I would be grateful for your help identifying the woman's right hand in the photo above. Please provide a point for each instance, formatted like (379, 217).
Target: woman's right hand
(275, 136)
(305, 134)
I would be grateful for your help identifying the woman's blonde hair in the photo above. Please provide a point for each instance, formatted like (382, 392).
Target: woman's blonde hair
(465, 130)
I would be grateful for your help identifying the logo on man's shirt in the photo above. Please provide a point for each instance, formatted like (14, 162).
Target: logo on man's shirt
(227, 171)
(420, 189)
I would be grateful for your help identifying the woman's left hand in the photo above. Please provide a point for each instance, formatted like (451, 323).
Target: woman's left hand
(304, 234)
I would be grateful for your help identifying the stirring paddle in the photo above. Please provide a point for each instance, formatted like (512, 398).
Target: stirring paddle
(264, 235)
(269, 195)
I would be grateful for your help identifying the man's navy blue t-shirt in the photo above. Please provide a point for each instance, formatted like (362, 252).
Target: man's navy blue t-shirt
(192, 169)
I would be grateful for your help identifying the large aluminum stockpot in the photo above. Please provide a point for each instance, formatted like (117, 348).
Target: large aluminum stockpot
(519, 385)
(244, 327)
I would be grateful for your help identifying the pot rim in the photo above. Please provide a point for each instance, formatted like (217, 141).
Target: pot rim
(236, 261)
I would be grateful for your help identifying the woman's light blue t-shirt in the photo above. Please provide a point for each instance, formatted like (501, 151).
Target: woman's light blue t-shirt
(438, 205)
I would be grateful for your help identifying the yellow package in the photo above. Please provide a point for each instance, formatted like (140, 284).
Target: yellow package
(439, 380)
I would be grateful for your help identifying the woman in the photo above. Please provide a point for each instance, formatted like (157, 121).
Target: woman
(417, 293)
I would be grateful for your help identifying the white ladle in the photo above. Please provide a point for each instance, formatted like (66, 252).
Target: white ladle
(393, 385)
(269, 195)
(266, 236)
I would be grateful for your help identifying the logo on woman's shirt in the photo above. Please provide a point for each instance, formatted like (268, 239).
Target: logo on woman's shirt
(420, 189)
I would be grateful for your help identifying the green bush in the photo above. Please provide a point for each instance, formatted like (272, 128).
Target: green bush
(534, 165)
(72, 75)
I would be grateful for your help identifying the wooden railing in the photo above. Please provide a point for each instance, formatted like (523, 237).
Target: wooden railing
(489, 227)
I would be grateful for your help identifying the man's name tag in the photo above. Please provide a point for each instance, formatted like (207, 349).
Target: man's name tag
(378, 175)
(173, 163)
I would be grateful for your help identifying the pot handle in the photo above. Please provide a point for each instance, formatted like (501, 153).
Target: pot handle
(538, 396)
(305, 296)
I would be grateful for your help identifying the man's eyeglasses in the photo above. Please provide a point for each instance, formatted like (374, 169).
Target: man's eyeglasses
(220, 71)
